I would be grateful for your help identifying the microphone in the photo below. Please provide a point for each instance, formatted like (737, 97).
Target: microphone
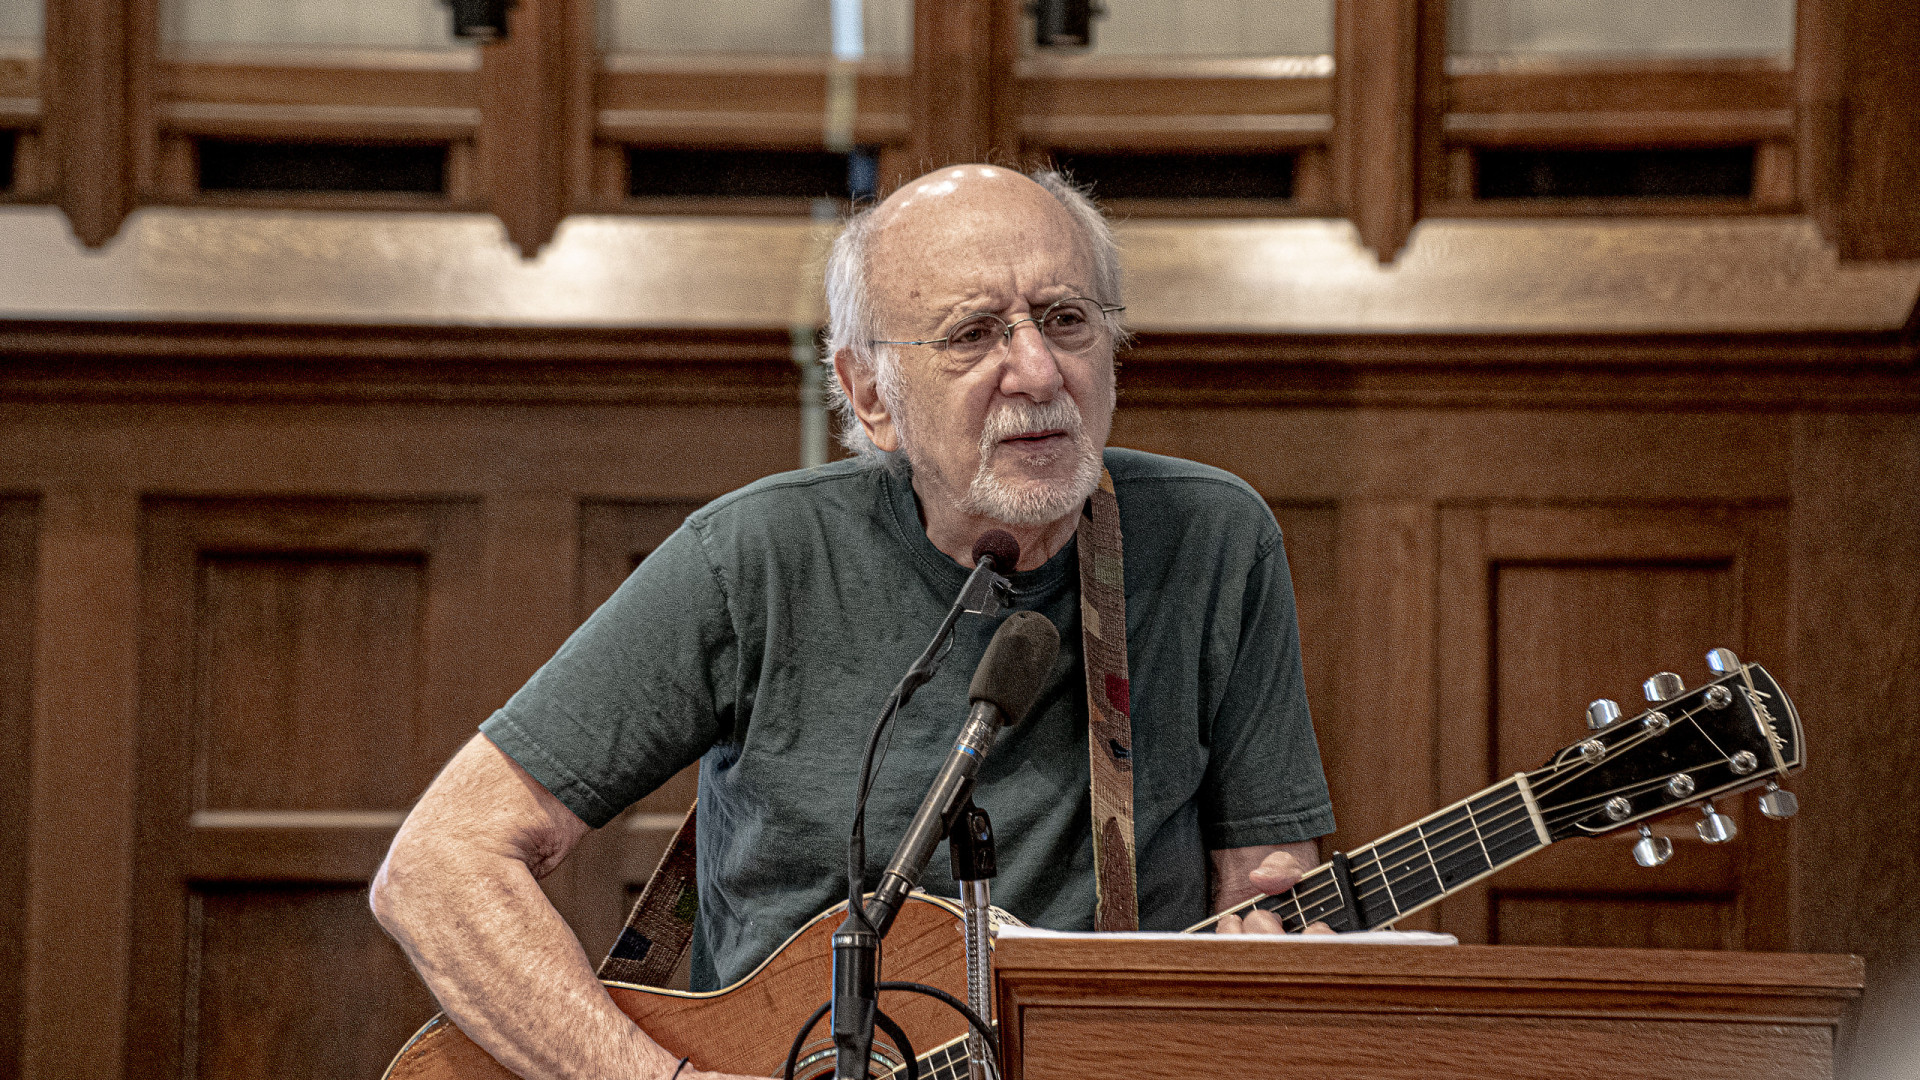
(1000, 546)
(1009, 678)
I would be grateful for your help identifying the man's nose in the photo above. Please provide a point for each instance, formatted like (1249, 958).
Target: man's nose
(1031, 368)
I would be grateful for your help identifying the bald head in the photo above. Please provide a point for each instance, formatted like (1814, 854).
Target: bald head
(969, 238)
(935, 243)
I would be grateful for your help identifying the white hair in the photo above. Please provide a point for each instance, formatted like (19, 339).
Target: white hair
(852, 323)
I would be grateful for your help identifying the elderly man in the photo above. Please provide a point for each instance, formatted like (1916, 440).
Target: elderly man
(973, 337)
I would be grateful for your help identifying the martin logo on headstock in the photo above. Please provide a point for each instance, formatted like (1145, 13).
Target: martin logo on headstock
(1687, 749)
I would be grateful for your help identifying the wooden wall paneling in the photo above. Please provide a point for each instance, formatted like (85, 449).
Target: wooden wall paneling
(1858, 98)
(1311, 534)
(1549, 607)
(1380, 744)
(19, 522)
(964, 98)
(79, 905)
(770, 103)
(536, 118)
(21, 111)
(1385, 77)
(306, 667)
(96, 137)
(600, 880)
(1855, 538)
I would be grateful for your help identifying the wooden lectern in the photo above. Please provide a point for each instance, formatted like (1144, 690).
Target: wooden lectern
(1200, 1005)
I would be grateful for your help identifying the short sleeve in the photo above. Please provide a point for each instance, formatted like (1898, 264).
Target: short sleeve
(639, 692)
(1264, 784)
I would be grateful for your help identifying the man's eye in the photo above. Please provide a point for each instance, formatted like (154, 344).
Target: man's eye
(970, 334)
(1067, 319)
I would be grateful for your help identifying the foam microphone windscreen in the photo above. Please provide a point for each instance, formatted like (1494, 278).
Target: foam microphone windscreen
(1016, 664)
(1000, 544)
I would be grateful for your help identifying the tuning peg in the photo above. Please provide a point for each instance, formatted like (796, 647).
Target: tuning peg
(1715, 827)
(1650, 850)
(1777, 803)
(1603, 713)
(1663, 687)
(1722, 661)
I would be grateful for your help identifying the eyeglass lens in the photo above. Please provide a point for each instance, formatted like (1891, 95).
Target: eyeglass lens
(1070, 325)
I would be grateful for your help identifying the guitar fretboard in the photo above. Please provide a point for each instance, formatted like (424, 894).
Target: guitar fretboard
(1405, 871)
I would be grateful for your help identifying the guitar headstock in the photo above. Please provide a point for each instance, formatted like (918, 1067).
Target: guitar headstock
(1687, 748)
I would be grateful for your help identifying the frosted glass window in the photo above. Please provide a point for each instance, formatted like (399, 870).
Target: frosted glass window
(383, 24)
(22, 22)
(776, 27)
(1211, 28)
(1623, 28)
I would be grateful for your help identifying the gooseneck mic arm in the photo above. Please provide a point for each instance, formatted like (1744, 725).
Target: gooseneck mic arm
(856, 943)
(1009, 678)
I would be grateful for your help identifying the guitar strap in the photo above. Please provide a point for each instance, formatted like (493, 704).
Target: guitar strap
(660, 928)
(1103, 641)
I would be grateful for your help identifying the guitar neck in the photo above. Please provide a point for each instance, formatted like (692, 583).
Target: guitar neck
(1404, 871)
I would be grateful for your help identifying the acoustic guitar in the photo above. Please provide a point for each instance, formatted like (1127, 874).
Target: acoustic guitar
(1686, 749)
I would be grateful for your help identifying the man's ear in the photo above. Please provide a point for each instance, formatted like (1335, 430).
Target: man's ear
(862, 387)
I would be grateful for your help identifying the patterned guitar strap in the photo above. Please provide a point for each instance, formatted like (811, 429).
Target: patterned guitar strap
(660, 928)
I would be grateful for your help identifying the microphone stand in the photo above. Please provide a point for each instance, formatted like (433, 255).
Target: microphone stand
(970, 843)
(856, 942)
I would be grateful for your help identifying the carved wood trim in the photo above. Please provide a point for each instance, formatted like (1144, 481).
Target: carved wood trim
(96, 104)
(85, 361)
(1382, 50)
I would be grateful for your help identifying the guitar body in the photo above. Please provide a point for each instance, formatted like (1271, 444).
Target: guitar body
(748, 1027)
(1735, 734)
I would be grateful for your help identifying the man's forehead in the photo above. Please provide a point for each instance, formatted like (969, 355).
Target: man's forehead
(971, 217)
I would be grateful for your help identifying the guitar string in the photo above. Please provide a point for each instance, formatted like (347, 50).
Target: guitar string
(1500, 822)
(952, 1056)
(1558, 776)
(1643, 735)
(1561, 816)
(1557, 816)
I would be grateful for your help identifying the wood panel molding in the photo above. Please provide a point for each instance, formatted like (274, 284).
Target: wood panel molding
(1859, 129)
(964, 95)
(95, 362)
(97, 136)
(536, 132)
(1383, 98)
(80, 902)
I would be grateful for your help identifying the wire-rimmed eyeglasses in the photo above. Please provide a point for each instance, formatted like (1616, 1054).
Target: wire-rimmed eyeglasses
(1072, 325)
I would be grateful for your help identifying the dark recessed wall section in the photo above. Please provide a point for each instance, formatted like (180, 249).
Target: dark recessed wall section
(1722, 173)
(750, 174)
(8, 141)
(303, 167)
(1182, 176)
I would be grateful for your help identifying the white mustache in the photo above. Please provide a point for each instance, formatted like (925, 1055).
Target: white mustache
(1018, 416)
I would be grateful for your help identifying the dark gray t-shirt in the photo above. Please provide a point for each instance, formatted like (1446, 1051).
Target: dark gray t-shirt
(763, 636)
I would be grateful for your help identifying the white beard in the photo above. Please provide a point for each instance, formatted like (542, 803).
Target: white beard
(1032, 502)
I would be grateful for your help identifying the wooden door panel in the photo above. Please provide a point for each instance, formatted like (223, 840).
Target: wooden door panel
(295, 983)
(308, 661)
(19, 520)
(1547, 608)
(305, 670)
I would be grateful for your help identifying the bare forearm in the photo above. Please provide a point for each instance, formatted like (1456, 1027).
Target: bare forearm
(506, 968)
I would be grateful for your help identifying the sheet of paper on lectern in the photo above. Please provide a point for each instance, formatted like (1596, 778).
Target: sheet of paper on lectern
(1368, 937)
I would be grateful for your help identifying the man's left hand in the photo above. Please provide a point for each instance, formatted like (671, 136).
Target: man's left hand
(1276, 872)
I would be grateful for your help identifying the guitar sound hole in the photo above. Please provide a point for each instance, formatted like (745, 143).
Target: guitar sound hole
(817, 1059)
